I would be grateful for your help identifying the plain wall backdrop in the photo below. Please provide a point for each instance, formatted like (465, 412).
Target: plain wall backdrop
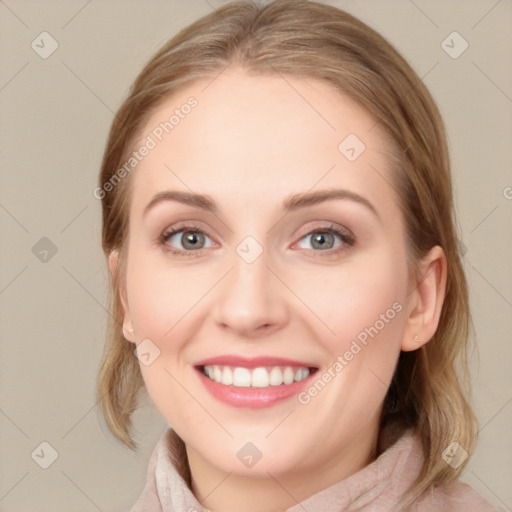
(55, 112)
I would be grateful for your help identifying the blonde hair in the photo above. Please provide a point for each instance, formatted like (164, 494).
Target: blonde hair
(313, 40)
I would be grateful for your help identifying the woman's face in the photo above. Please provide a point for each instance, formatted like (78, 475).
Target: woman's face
(262, 274)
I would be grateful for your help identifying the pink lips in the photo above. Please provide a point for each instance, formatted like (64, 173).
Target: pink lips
(253, 398)
(229, 360)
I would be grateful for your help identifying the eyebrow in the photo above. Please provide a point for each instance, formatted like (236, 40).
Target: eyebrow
(292, 203)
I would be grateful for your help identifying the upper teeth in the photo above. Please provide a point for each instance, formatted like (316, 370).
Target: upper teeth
(257, 377)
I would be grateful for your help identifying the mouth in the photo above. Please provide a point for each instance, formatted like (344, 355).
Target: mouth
(253, 383)
(258, 377)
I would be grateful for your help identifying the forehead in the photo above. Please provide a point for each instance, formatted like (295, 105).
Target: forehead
(255, 137)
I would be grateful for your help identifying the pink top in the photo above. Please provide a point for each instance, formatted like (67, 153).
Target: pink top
(377, 487)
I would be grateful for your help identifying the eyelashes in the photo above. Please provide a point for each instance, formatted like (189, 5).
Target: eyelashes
(347, 240)
(188, 228)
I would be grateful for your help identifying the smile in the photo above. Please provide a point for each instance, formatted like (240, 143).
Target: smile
(254, 383)
(260, 377)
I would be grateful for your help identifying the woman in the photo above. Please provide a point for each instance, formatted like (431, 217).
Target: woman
(279, 227)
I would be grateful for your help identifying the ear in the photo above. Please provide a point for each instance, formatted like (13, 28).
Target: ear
(113, 264)
(426, 301)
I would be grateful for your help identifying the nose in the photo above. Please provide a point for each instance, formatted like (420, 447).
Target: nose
(251, 300)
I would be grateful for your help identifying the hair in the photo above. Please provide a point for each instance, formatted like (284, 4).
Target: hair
(431, 385)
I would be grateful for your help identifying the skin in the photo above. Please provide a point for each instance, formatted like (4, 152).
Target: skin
(251, 142)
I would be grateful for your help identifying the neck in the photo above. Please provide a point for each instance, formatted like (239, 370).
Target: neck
(228, 492)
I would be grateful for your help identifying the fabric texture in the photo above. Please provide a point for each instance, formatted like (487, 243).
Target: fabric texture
(377, 487)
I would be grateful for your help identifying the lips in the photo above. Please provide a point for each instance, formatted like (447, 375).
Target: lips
(256, 362)
(254, 372)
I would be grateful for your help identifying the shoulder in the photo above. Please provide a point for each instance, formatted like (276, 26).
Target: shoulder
(458, 497)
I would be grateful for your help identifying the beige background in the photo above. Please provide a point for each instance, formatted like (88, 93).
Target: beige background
(55, 114)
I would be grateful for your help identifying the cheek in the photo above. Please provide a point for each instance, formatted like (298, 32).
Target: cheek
(161, 304)
(359, 298)
(367, 315)
(161, 297)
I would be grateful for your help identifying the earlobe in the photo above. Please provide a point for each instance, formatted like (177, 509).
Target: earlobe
(427, 300)
(128, 333)
(112, 262)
